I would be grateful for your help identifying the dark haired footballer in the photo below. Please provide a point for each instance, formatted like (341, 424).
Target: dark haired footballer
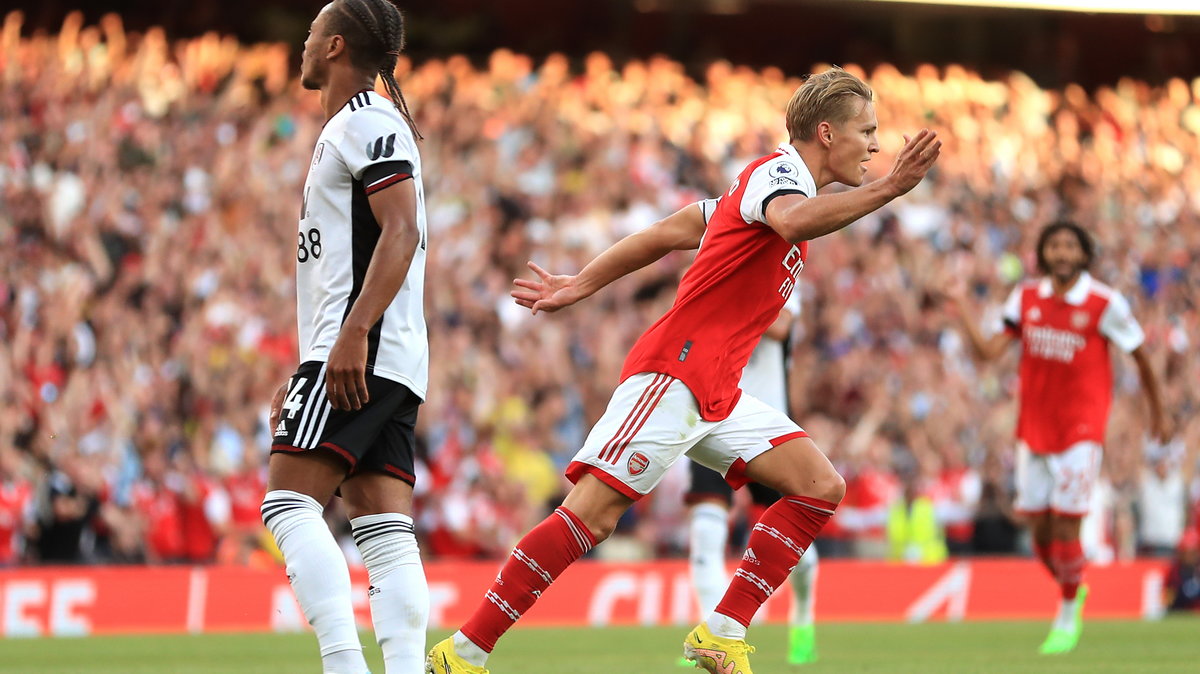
(1065, 322)
(344, 422)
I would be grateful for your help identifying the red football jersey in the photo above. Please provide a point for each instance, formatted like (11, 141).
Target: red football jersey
(246, 490)
(15, 501)
(734, 290)
(1065, 371)
(159, 508)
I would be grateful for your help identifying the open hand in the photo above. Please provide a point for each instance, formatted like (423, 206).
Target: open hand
(549, 293)
(914, 160)
(953, 292)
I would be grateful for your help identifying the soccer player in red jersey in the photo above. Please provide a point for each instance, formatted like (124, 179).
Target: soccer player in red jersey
(1065, 322)
(679, 391)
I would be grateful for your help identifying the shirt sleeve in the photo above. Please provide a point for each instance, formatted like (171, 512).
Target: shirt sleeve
(1118, 325)
(707, 208)
(774, 178)
(1010, 315)
(378, 148)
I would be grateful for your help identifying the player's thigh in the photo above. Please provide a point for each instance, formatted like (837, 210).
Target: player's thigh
(1075, 473)
(296, 463)
(707, 486)
(382, 480)
(651, 420)
(761, 444)
(1034, 483)
(309, 425)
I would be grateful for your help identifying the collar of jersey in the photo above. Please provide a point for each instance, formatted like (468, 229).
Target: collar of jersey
(787, 149)
(347, 102)
(1078, 293)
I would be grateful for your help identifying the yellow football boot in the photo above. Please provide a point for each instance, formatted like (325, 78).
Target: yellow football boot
(443, 660)
(717, 655)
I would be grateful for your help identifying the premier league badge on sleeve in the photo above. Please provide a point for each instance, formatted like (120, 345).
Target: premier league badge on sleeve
(784, 173)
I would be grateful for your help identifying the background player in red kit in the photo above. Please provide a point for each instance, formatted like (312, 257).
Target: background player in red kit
(1065, 323)
(679, 391)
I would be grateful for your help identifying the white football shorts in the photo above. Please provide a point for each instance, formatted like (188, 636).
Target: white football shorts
(1059, 483)
(653, 419)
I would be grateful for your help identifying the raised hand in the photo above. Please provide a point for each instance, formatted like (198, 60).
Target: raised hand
(549, 293)
(953, 292)
(914, 160)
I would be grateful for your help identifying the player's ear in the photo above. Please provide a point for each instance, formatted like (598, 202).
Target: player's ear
(825, 133)
(337, 45)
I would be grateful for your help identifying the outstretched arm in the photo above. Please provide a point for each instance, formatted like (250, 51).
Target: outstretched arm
(984, 348)
(1158, 421)
(681, 230)
(799, 218)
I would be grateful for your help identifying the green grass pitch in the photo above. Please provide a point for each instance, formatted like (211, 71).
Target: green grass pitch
(1171, 645)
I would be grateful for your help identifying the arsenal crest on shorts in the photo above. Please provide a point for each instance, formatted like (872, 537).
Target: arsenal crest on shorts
(638, 463)
(1080, 319)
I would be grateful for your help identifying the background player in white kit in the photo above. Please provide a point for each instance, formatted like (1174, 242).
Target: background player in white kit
(345, 419)
(1065, 322)
(710, 497)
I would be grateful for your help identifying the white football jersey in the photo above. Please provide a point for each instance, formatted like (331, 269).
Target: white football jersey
(366, 147)
(765, 375)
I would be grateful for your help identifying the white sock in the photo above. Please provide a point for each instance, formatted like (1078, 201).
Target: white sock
(399, 595)
(723, 626)
(708, 531)
(804, 585)
(1066, 615)
(467, 650)
(317, 571)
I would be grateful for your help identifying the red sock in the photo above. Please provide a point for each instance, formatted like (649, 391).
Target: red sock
(1045, 553)
(776, 543)
(538, 558)
(1069, 560)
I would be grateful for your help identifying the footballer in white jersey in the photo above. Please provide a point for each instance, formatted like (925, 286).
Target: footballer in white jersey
(366, 147)
(345, 422)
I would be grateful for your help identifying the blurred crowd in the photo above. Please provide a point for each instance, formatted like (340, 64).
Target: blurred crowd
(149, 191)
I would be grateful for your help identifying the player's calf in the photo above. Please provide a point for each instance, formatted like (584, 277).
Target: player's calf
(538, 558)
(317, 571)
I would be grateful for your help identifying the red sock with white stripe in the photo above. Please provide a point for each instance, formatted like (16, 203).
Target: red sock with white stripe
(537, 560)
(776, 543)
(1069, 562)
(1045, 553)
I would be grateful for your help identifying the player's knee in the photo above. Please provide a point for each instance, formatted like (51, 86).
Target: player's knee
(827, 485)
(1066, 528)
(831, 487)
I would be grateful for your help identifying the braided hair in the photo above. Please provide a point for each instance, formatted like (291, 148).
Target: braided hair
(374, 34)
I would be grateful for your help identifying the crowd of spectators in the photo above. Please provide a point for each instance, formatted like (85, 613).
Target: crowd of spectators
(148, 198)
